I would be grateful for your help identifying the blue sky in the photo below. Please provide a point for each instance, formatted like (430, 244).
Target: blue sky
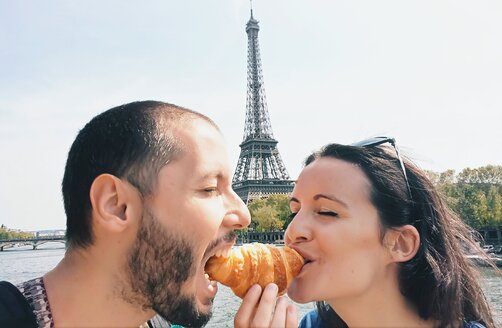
(428, 72)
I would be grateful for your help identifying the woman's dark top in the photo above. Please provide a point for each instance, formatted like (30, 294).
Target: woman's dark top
(313, 320)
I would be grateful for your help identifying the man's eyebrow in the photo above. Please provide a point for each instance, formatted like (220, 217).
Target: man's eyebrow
(332, 198)
(212, 175)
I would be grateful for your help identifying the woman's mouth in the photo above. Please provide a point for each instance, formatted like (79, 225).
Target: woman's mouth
(308, 263)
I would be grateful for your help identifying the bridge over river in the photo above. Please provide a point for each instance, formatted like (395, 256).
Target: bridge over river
(35, 241)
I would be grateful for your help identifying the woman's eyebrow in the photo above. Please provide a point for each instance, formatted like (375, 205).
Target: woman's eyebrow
(328, 197)
(332, 198)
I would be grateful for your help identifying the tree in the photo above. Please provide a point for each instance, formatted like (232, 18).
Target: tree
(6, 233)
(494, 203)
(280, 203)
(473, 207)
(447, 177)
(266, 219)
(270, 213)
(490, 174)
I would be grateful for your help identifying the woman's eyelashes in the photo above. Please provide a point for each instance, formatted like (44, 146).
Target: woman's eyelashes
(322, 212)
(328, 213)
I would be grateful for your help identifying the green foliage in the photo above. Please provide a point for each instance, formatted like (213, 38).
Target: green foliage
(494, 204)
(474, 194)
(6, 233)
(271, 213)
(266, 219)
(490, 174)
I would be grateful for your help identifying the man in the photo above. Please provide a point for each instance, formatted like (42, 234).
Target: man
(148, 199)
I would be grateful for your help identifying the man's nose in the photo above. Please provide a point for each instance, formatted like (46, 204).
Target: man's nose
(237, 216)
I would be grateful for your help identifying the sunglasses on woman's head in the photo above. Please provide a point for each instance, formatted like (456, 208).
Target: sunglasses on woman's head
(376, 141)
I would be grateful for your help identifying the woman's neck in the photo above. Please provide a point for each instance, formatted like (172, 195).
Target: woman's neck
(382, 305)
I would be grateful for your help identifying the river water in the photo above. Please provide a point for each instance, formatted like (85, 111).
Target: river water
(20, 264)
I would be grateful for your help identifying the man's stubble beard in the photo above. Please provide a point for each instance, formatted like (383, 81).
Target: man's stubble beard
(159, 263)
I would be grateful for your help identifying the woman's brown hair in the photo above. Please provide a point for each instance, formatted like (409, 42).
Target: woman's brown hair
(439, 281)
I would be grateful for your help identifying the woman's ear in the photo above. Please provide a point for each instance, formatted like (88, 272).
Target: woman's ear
(110, 198)
(402, 242)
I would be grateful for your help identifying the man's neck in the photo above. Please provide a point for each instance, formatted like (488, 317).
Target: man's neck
(85, 289)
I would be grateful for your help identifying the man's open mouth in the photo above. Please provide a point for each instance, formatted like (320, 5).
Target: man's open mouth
(206, 285)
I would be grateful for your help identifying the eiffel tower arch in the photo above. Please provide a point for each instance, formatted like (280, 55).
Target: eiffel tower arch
(260, 171)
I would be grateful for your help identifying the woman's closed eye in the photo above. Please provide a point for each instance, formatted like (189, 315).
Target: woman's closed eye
(324, 213)
(328, 213)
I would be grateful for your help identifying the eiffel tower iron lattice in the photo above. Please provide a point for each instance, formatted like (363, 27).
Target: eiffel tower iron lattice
(260, 170)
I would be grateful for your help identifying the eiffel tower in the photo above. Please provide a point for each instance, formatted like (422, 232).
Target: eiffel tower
(260, 171)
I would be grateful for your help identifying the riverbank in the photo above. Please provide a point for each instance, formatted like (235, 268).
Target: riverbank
(481, 261)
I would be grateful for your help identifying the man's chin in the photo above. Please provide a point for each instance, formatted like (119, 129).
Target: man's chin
(205, 310)
(189, 313)
(205, 305)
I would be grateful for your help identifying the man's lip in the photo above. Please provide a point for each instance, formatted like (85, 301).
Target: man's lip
(221, 242)
(214, 250)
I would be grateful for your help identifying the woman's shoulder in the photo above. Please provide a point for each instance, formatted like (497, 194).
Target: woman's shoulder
(311, 320)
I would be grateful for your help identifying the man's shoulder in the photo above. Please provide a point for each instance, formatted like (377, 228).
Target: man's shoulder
(15, 311)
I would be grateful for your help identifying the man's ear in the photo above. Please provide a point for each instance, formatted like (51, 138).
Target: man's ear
(110, 198)
(402, 242)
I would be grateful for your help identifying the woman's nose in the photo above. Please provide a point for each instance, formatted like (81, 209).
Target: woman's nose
(298, 230)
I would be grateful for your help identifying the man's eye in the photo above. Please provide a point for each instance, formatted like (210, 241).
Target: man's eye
(328, 213)
(211, 190)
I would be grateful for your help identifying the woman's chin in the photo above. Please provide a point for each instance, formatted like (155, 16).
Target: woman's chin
(297, 294)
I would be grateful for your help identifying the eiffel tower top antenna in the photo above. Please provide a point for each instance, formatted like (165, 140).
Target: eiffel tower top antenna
(251, 1)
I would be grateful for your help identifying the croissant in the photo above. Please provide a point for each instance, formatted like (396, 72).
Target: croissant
(255, 263)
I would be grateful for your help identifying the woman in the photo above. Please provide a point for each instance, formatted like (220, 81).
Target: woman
(382, 247)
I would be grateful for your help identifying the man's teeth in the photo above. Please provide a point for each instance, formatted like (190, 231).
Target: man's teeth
(222, 252)
(211, 282)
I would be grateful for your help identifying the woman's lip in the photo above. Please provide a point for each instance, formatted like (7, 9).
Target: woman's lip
(305, 267)
(306, 257)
